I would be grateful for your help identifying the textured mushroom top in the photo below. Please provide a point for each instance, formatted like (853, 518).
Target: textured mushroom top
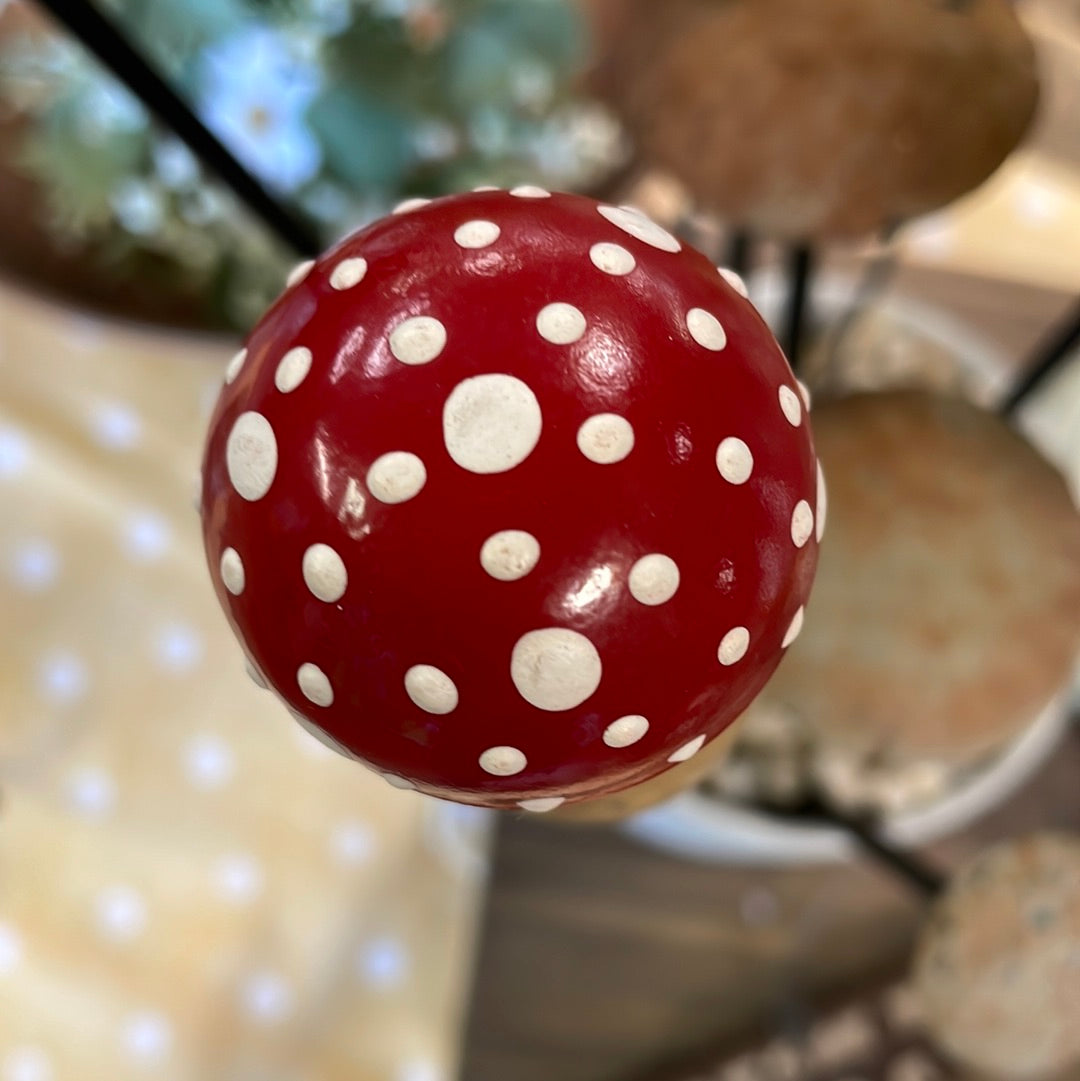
(800, 119)
(998, 963)
(512, 497)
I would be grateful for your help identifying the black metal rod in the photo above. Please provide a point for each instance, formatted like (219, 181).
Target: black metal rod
(800, 271)
(102, 37)
(738, 252)
(1049, 354)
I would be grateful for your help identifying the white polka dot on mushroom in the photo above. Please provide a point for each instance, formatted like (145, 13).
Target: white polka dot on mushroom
(476, 234)
(802, 523)
(491, 423)
(431, 689)
(626, 731)
(561, 323)
(790, 405)
(314, 684)
(410, 204)
(324, 573)
(794, 628)
(530, 191)
(418, 340)
(396, 477)
(503, 761)
(542, 805)
(348, 272)
(232, 571)
(734, 460)
(120, 913)
(606, 438)
(147, 1036)
(209, 761)
(299, 273)
(640, 227)
(734, 280)
(232, 369)
(654, 579)
(555, 668)
(822, 504)
(733, 646)
(688, 750)
(486, 187)
(292, 369)
(11, 949)
(510, 554)
(612, 259)
(238, 878)
(251, 456)
(26, 1063)
(352, 843)
(267, 997)
(706, 329)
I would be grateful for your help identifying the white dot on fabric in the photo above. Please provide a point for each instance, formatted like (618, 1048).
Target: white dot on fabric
(348, 272)
(542, 805)
(267, 997)
(324, 573)
(147, 536)
(178, 647)
(734, 460)
(352, 843)
(11, 949)
(116, 426)
(706, 329)
(62, 677)
(14, 452)
(794, 628)
(232, 369)
(688, 750)
(418, 340)
(396, 477)
(733, 646)
(299, 273)
(502, 761)
(802, 523)
(555, 668)
(120, 913)
(561, 324)
(232, 571)
(208, 762)
(147, 1036)
(382, 963)
(491, 423)
(626, 731)
(530, 191)
(612, 259)
(791, 406)
(606, 438)
(420, 1069)
(314, 684)
(431, 689)
(734, 280)
(251, 456)
(822, 504)
(510, 554)
(292, 369)
(90, 792)
(476, 234)
(640, 227)
(238, 878)
(410, 204)
(35, 565)
(654, 579)
(804, 392)
(26, 1063)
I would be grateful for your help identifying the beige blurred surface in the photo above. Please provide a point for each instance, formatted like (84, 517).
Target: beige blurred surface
(191, 887)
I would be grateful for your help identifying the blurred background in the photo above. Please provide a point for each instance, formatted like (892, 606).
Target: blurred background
(193, 887)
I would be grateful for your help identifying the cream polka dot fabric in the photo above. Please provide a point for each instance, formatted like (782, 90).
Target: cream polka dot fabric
(191, 885)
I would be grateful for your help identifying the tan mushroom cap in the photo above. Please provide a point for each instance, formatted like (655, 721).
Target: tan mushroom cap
(803, 120)
(946, 611)
(997, 967)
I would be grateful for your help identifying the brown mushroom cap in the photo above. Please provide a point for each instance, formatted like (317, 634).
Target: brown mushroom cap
(804, 120)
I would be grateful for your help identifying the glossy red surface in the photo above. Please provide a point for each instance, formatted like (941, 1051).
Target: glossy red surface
(417, 592)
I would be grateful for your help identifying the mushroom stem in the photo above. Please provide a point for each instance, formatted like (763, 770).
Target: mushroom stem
(1055, 348)
(800, 271)
(102, 37)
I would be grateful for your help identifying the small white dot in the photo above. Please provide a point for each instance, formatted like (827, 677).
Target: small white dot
(348, 272)
(486, 187)
(62, 677)
(26, 1064)
(542, 805)
(688, 750)
(251, 456)
(396, 477)
(232, 571)
(510, 554)
(120, 913)
(491, 423)
(402, 784)
(734, 280)
(292, 369)
(35, 565)
(502, 761)
(431, 689)
(802, 523)
(706, 329)
(640, 227)
(626, 731)
(804, 392)
(606, 438)
(382, 963)
(410, 204)
(476, 234)
(791, 406)
(314, 684)
(267, 997)
(299, 273)
(352, 843)
(208, 762)
(612, 259)
(14, 452)
(324, 573)
(418, 340)
(238, 878)
(178, 647)
(116, 426)
(255, 675)
(794, 628)
(561, 324)
(232, 369)
(654, 579)
(555, 668)
(147, 1036)
(11, 949)
(733, 646)
(147, 536)
(822, 503)
(91, 792)
(530, 191)
(734, 460)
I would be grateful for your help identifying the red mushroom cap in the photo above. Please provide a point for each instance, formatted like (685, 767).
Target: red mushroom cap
(512, 497)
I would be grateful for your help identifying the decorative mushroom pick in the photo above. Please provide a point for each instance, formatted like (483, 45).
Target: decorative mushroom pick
(512, 497)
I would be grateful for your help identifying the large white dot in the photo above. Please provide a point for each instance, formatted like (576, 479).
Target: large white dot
(640, 227)
(267, 997)
(626, 731)
(542, 805)
(251, 456)
(120, 913)
(299, 273)
(606, 438)
(324, 572)
(26, 1063)
(348, 272)
(232, 370)
(654, 579)
(209, 762)
(232, 571)
(503, 761)
(91, 792)
(734, 280)
(822, 503)
(612, 259)
(147, 1036)
(530, 191)
(734, 460)
(687, 750)
(491, 423)
(791, 406)
(418, 340)
(706, 329)
(561, 324)
(733, 646)
(510, 554)
(35, 564)
(292, 370)
(238, 878)
(802, 523)
(555, 668)
(476, 234)
(410, 204)
(794, 628)
(314, 684)
(396, 477)
(431, 689)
